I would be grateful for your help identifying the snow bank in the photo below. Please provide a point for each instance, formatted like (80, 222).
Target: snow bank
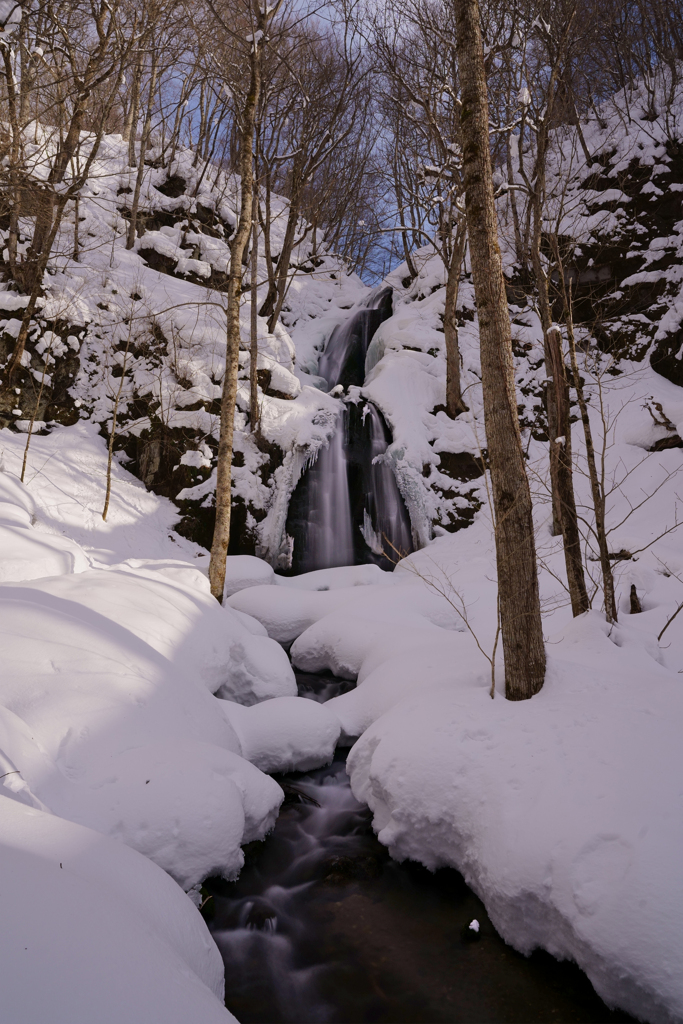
(26, 553)
(563, 813)
(242, 571)
(94, 931)
(113, 673)
(113, 744)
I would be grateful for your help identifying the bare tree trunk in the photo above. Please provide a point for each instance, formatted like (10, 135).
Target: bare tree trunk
(144, 141)
(272, 306)
(559, 396)
(596, 490)
(115, 411)
(546, 325)
(14, 156)
(132, 124)
(253, 348)
(454, 400)
(520, 612)
(240, 239)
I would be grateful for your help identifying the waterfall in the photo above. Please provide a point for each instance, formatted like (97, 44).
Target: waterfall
(347, 508)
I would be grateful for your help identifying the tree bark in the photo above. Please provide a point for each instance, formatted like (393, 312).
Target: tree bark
(597, 490)
(144, 141)
(238, 244)
(559, 396)
(454, 400)
(520, 612)
(253, 348)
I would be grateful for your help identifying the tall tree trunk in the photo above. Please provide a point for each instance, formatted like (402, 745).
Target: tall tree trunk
(272, 306)
(144, 141)
(546, 326)
(132, 128)
(520, 612)
(253, 347)
(597, 488)
(238, 244)
(454, 400)
(559, 395)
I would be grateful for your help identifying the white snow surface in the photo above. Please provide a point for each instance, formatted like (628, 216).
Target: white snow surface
(119, 679)
(94, 931)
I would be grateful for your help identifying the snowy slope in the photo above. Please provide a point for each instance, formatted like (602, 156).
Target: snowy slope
(146, 328)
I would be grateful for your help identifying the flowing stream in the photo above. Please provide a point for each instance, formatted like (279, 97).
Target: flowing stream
(323, 926)
(347, 508)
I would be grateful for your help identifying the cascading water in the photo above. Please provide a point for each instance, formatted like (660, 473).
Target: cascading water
(347, 508)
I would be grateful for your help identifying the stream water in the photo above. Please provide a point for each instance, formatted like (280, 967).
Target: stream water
(323, 926)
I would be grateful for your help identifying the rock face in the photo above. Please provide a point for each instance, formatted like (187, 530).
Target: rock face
(626, 273)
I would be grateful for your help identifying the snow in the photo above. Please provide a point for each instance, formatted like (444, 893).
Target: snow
(94, 931)
(242, 571)
(123, 780)
(286, 733)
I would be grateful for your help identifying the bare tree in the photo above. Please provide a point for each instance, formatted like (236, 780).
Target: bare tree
(520, 612)
(88, 52)
(246, 90)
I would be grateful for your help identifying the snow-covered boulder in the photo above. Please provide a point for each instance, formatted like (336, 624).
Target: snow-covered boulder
(285, 734)
(242, 571)
(109, 717)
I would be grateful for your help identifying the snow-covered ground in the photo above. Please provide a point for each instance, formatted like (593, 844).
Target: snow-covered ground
(130, 734)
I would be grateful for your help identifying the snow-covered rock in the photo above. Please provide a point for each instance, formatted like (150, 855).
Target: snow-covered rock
(242, 571)
(286, 733)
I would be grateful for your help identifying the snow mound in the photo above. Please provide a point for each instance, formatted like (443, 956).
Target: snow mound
(25, 552)
(242, 571)
(286, 733)
(558, 811)
(92, 930)
(112, 674)
(338, 578)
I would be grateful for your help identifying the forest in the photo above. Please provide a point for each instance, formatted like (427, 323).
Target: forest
(341, 419)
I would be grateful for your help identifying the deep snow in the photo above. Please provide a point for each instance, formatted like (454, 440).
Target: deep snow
(114, 745)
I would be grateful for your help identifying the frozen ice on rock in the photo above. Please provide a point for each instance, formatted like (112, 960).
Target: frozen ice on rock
(242, 571)
(286, 733)
(93, 930)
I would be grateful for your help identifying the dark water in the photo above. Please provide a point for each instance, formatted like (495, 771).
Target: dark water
(323, 926)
